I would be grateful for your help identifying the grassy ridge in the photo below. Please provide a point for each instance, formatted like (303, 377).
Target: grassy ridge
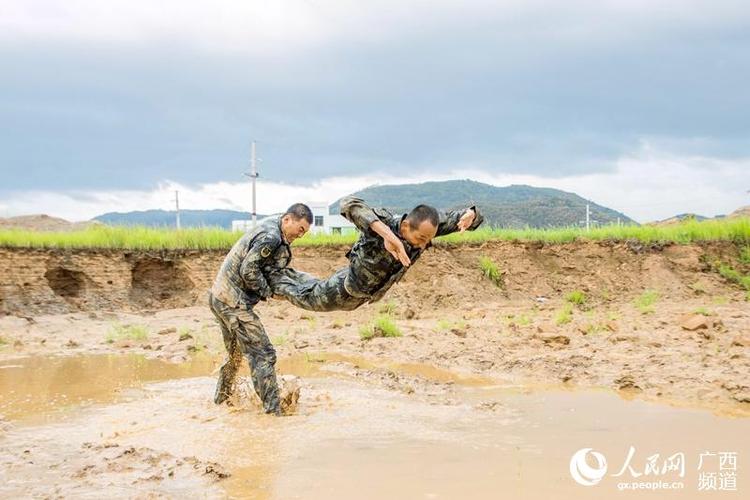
(144, 238)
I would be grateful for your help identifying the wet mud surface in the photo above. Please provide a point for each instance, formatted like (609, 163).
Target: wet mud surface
(363, 429)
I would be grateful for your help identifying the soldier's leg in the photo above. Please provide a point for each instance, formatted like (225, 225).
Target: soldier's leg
(261, 356)
(228, 371)
(311, 293)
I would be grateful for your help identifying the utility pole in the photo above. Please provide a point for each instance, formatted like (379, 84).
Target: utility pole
(177, 208)
(588, 217)
(253, 175)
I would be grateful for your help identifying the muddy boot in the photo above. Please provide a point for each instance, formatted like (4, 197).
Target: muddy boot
(289, 394)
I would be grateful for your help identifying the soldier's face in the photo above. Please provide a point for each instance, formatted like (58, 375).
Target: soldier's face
(420, 236)
(294, 228)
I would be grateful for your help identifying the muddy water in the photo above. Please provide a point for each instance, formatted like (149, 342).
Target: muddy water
(130, 427)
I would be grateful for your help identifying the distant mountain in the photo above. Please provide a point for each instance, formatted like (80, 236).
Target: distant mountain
(166, 218)
(510, 206)
(42, 222)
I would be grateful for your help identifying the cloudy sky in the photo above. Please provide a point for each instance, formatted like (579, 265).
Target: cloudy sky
(109, 106)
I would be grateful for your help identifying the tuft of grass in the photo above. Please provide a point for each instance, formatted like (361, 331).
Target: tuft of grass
(388, 308)
(490, 270)
(576, 297)
(720, 300)
(279, 340)
(382, 326)
(3, 342)
(745, 255)
(698, 287)
(523, 320)
(443, 325)
(126, 332)
(645, 301)
(564, 315)
(594, 327)
(147, 238)
(704, 311)
(730, 274)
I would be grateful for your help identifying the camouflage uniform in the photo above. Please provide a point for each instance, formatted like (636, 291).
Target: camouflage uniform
(372, 269)
(239, 285)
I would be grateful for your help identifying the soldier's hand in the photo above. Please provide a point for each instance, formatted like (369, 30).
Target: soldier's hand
(466, 220)
(396, 248)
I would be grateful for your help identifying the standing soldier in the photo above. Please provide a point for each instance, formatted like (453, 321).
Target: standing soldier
(239, 285)
(380, 257)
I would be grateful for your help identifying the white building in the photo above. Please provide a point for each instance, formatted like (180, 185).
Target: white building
(323, 222)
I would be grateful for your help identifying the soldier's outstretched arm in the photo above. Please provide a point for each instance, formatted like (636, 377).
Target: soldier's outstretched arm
(459, 220)
(257, 257)
(365, 218)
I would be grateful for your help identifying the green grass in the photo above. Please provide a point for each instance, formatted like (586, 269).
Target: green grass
(698, 287)
(730, 274)
(576, 297)
(745, 255)
(138, 237)
(490, 270)
(3, 341)
(645, 301)
(382, 326)
(387, 308)
(703, 311)
(443, 325)
(564, 315)
(735, 229)
(126, 332)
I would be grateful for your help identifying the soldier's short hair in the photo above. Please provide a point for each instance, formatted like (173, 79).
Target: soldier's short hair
(300, 211)
(421, 213)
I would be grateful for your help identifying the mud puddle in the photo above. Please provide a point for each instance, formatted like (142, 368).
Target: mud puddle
(131, 427)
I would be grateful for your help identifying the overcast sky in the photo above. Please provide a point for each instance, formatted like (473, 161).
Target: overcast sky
(641, 106)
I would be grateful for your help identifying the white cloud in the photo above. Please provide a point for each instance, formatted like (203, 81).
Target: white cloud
(279, 25)
(646, 185)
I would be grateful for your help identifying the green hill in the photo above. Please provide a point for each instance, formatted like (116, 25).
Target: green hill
(166, 218)
(510, 206)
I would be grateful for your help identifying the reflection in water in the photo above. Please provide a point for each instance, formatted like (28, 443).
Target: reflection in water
(39, 385)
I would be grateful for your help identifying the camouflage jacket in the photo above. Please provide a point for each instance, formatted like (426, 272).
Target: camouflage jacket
(240, 280)
(372, 269)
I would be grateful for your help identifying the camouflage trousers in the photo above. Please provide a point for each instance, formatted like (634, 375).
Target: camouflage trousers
(314, 294)
(244, 335)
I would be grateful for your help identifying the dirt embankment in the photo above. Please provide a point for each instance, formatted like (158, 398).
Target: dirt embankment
(689, 343)
(38, 281)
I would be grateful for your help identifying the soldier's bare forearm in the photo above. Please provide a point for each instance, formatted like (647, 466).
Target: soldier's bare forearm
(382, 230)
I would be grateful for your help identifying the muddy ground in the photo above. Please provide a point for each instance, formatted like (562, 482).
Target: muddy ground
(683, 356)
